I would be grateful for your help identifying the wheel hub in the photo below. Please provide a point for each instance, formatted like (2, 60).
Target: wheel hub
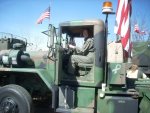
(8, 105)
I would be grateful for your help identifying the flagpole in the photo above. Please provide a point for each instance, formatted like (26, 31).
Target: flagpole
(129, 53)
(49, 16)
(49, 25)
(50, 4)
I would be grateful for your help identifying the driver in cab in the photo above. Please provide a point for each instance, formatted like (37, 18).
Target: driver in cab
(85, 54)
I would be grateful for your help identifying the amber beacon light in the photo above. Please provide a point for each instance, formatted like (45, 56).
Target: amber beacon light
(107, 8)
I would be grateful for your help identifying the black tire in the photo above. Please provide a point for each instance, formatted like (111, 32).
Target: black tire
(15, 99)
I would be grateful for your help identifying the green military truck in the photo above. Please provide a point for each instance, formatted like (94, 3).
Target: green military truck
(31, 77)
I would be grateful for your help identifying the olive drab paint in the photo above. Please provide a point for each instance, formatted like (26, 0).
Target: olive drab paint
(44, 74)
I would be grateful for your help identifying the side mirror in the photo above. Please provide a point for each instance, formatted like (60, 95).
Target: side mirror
(51, 33)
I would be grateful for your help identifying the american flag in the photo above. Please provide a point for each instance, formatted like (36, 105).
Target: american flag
(45, 14)
(137, 30)
(122, 27)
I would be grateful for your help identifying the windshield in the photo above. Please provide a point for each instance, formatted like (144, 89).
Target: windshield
(73, 35)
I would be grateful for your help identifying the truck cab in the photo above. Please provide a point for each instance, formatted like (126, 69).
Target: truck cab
(87, 74)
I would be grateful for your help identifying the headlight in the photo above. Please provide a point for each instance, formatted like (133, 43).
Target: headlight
(5, 60)
(14, 61)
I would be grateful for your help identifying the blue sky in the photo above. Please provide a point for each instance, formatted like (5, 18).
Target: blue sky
(19, 16)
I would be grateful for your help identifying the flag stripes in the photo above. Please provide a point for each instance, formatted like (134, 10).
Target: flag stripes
(122, 27)
(45, 14)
